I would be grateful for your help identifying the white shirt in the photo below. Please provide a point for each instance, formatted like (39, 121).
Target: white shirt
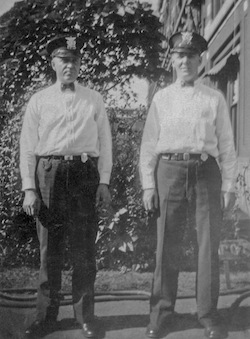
(188, 119)
(65, 123)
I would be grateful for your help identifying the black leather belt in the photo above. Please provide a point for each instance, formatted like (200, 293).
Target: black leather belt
(62, 157)
(184, 156)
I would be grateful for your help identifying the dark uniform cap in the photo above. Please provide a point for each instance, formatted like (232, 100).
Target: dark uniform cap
(189, 42)
(63, 46)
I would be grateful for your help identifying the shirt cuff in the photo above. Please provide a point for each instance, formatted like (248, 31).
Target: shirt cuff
(28, 183)
(228, 186)
(104, 178)
(148, 183)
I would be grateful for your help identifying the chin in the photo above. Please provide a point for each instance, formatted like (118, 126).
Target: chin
(68, 80)
(188, 78)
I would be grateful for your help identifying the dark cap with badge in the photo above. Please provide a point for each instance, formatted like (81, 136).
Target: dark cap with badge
(64, 46)
(187, 42)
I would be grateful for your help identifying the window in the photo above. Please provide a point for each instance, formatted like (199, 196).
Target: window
(230, 89)
(233, 101)
(233, 116)
(216, 6)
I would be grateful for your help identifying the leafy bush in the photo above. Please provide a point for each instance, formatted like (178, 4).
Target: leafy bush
(123, 39)
(123, 237)
(17, 232)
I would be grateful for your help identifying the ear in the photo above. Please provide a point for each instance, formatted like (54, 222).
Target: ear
(172, 60)
(53, 64)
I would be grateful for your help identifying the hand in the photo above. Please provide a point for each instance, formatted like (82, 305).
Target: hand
(103, 197)
(227, 201)
(227, 204)
(150, 199)
(31, 203)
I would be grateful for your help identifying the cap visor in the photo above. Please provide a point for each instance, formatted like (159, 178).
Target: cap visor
(64, 53)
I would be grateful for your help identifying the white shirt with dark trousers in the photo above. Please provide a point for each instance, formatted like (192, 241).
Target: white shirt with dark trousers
(73, 124)
(192, 120)
(188, 119)
(65, 123)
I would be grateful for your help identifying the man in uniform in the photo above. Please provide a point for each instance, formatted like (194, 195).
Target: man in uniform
(187, 164)
(65, 162)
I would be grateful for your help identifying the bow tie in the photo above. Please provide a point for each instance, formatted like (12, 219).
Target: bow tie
(69, 86)
(187, 83)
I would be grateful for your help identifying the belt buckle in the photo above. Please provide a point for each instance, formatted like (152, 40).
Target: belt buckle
(174, 157)
(166, 156)
(84, 157)
(204, 157)
(186, 156)
(68, 157)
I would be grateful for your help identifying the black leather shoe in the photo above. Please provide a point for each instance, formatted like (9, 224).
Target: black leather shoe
(214, 329)
(152, 332)
(39, 329)
(89, 330)
(216, 332)
(163, 326)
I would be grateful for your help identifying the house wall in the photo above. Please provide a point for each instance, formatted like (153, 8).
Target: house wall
(244, 115)
(230, 30)
(244, 134)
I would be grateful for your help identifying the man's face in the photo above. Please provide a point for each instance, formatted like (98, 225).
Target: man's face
(186, 65)
(67, 68)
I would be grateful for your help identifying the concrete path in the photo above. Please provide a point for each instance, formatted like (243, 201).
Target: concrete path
(128, 320)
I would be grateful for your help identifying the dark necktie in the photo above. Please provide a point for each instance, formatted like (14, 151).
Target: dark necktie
(69, 86)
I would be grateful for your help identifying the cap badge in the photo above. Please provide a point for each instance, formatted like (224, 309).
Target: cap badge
(186, 37)
(71, 43)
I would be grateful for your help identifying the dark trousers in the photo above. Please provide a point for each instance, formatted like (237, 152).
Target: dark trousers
(186, 186)
(67, 190)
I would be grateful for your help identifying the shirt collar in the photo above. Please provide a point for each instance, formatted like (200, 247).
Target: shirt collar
(183, 84)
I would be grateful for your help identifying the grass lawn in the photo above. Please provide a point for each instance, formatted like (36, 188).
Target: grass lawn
(108, 280)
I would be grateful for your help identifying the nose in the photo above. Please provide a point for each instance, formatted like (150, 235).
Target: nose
(70, 63)
(186, 58)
